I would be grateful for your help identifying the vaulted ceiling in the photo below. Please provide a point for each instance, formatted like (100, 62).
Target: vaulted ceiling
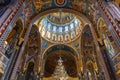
(67, 55)
(60, 27)
(42, 5)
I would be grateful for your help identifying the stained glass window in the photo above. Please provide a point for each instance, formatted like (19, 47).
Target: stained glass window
(54, 28)
(49, 26)
(71, 26)
(76, 22)
(44, 22)
(60, 29)
(66, 29)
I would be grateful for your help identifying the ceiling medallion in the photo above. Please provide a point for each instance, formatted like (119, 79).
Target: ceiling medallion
(60, 3)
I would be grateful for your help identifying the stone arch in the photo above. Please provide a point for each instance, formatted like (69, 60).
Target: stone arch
(49, 55)
(27, 34)
(75, 51)
(65, 10)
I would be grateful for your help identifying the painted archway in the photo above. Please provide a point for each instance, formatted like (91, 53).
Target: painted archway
(55, 10)
(67, 54)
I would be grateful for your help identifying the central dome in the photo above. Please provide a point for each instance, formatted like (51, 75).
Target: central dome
(59, 27)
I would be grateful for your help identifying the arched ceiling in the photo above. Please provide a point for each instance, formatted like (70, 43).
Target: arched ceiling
(60, 26)
(35, 7)
(68, 56)
(68, 62)
(42, 5)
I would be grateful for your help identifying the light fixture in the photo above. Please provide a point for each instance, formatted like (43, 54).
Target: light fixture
(60, 73)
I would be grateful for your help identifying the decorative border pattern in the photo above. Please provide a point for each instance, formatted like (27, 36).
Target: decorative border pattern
(60, 3)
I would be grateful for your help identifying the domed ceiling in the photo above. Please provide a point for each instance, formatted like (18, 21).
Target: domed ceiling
(59, 27)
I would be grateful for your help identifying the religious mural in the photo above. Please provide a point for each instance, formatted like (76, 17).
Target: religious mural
(60, 27)
(61, 42)
(29, 11)
(78, 5)
(90, 63)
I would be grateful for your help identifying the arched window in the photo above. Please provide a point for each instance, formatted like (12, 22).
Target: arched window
(54, 29)
(76, 22)
(60, 29)
(44, 22)
(66, 29)
(71, 26)
(49, 26)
